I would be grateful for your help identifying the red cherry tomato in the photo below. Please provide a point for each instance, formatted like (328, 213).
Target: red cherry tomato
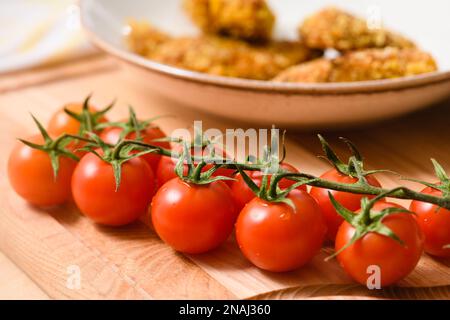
(193, 218)
(393, 260)
(275, 237)
(435, 224)
(93, 188)
(166, 168)
(243, 194)
(350, 201)
(112, 136)
(61, 122)
(31, 175)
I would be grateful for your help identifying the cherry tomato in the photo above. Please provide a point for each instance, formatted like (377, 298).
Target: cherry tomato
(193, 218)
(275, 237)
(243, 194)
(31, 175)
(61, 122)
(93, 188)
(166, 169)
(393, 260)
(435, 224)
(350, 201)
(112, 136)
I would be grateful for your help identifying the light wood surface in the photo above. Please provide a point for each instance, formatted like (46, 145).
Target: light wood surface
(15, 284)
(132, 262)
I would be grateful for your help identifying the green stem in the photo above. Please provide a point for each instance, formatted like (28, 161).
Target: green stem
(273, 188)
(198, 171)
(358, 188)
(176, 155)
(116, 151)
(274, 182)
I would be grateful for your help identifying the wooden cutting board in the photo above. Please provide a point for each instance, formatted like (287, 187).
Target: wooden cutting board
(131, 262)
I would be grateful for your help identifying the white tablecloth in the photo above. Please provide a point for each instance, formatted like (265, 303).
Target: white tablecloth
(39, 32)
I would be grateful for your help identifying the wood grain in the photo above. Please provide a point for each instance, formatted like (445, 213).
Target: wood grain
(133, 263)
(15, 284)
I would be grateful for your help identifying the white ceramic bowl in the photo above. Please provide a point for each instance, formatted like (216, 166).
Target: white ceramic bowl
(292, 105)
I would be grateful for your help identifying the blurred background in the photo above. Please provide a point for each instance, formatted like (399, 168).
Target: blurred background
(44, 32)
(39, 32)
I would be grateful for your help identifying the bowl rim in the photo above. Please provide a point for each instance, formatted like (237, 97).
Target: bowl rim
(402, 83)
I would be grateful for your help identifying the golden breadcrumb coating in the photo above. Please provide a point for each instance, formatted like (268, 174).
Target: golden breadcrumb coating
(231, 58)
(220, 56)
(388, 63)
(363, 65)
(143, 38)
(244, 19)
(337, 29)
(318, 70)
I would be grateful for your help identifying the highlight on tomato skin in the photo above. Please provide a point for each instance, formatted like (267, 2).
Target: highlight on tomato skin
(277, 238)
(95, 194)
(350, 201)
(435, 224)
(31, 175)
(243, 194)
(393, 260)
(193, 218)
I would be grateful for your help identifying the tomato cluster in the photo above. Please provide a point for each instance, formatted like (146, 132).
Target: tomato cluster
(195, 206)
(91, 182)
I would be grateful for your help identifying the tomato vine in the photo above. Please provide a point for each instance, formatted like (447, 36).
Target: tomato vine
(361, 187)
(116, 156)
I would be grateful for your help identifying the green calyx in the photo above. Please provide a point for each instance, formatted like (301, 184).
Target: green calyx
(443, 186)
(367, 220)
(89, 120)
(55, 148)
(355, 166)
(132, 125)
(271, 192)
(195, 173)
(115, 155)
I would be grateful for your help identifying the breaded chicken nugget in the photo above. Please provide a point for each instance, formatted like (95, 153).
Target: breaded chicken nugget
(143, 38)
(318, 70)
(368, 64)
(221, 56)
(231, 58)
(337, 29)
(388, 63)
(244, 19)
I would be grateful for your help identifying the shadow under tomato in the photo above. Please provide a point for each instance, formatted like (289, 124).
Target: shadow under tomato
(443, 261)
(136, 231)
(67, 213)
